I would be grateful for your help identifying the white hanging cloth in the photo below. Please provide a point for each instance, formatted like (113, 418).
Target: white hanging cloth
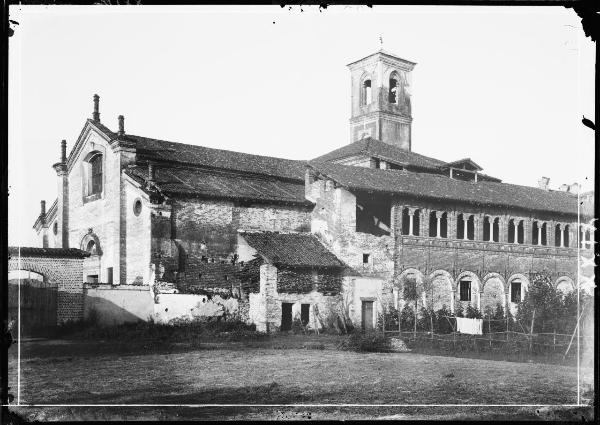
(469, 326)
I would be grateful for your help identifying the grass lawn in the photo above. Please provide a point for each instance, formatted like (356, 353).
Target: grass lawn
(282, 370)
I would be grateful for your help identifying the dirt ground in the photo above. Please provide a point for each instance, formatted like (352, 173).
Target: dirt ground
(306, 373)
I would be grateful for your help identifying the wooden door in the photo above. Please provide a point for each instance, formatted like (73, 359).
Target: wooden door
(286, 316)
(367, 315)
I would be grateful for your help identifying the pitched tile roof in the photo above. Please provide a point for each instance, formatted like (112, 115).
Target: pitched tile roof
(28, 251)
(173, 180)
(164, 151)
(292, 249)
(444, 188)
(373, 147)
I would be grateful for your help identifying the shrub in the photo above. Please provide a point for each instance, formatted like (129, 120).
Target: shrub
(366, 342)
(472, 312)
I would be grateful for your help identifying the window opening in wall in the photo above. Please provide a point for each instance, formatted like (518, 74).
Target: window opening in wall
(199, 275)
(393, 93)
(486, 228)
(471, 228)
(566, 235)
(417, 223)
(286, 316)
(444, 225)
(55, 228)
(96, 174)
(137, 207)
(512, 231)
(373, 215)
(515, 291)
(544, 234)
(366, 258)
(433, 224)
(496, 230)
(92, 278)
(374, 163)
(366, 93)
(534, 233)
(557, 235)
(92, 248)
(465, 290)
(460, 227)
(109, 275)
(405, 221)
(521, 232)
(305, 313)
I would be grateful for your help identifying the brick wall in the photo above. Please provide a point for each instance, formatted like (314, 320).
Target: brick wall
(66, 274)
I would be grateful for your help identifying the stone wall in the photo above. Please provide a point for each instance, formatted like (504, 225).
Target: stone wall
(196, 231)
(265, 307)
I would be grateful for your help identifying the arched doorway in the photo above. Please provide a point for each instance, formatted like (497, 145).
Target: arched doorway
(33, 299)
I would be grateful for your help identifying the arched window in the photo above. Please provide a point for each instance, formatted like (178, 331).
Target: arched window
(521, 232)
(405, 222)
(394, 87)
(512, 231)
(416, 222)
(535, 231)
(487, 234)
(557, 235)
(444, 225)
(496, 230)
(96, 174)
(460, 227)
(92, 174)
(366, 95)
(566, 232)
(471, 228)
(91, 247)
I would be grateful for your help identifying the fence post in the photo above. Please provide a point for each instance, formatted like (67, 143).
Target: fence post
(531, 332)
(431, 321)
(399, 323)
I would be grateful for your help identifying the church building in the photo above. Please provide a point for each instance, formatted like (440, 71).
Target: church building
(312, 237)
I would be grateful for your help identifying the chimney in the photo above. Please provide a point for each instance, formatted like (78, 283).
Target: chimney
(563, 188)
(63, 152)
(121, 125)
(96, 116)
(543, 183)
(573, 188)
(150, 172)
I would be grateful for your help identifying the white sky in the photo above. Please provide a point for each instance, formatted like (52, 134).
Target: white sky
(505, 86)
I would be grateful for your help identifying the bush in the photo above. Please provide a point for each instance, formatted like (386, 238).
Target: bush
(366, 342)
(472, 312)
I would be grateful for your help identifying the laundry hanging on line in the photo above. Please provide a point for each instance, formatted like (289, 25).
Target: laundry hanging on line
(469, 326)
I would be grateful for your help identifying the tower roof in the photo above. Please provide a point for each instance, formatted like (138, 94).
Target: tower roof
(388, 55)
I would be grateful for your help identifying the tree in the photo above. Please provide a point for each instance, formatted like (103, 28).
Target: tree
(542, 299)
(411, 293)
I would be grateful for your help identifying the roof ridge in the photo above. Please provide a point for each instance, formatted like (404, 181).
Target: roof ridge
(215, 149)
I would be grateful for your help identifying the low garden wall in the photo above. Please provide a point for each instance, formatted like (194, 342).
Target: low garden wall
(113, 305)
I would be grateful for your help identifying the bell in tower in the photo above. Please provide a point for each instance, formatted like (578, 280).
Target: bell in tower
(381, 99)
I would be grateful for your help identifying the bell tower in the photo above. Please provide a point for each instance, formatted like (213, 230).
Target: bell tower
(381, 99)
